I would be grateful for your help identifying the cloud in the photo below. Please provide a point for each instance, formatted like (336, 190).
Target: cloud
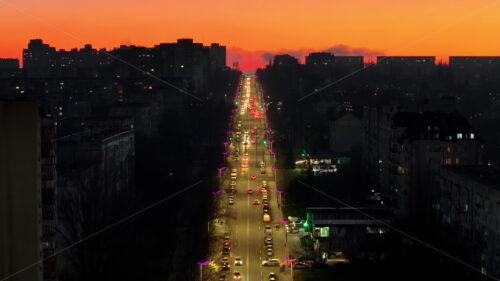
(254, 59)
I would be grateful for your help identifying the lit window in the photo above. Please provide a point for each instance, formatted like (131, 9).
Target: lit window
(448, 149)
(471, 136)
(447, 161)
(457, 160)
(459, 136)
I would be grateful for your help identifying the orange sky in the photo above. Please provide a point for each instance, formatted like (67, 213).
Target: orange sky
(251, 28)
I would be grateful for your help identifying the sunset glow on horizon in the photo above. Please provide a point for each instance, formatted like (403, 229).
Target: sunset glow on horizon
(255, 30)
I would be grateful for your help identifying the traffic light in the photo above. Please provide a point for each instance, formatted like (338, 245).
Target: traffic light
(265, 142)
(236, 103)
(303, 154)
(305, 224)
(230, 138)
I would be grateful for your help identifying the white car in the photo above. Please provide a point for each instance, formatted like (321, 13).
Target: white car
(238, 261)
(264, 183)
(271, 262)
(269, 253)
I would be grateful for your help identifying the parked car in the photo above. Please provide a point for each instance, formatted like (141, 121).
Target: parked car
(268, 240)
(300, 265)
(238, 261)
(270, 262)
(268, 229)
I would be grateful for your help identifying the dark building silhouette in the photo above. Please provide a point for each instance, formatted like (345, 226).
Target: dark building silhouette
(9, 64)
(466, 209)
(320, 59)
(347, 64)
(285, 60)
(217, 56)
(474, 70)
(8, 67)
(405, 67)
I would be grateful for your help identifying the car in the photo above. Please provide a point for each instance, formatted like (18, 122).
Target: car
(226, 246)
(272, 276)
(238, 261)
(266, 211)
(265, 207)
(236, 158)
(225, 251)
(269, 246)
(264, 200)
(222, 277)
(300, 265)
(253, 141)
(233, 183)
(264, 183)
(256, 202)
(262, 170)
(263, 190)
(244, 165)
(250, 191)
(266, 217)
(225, 263)
(231, 201)
(253, 177)
(268, 229)
(264, 196)
(236, 275)
(227, 242)
(269, 253)
(270, 262)
(268, 240)
(261, 164)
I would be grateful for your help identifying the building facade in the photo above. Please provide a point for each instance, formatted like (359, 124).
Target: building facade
(467, 208)
(20, 192)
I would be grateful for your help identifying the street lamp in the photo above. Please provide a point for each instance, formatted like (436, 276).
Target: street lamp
(220, 174)
(201, 268)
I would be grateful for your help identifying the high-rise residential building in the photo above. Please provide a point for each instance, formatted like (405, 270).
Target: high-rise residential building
(8, 67)
(403, 150)
(9, 64)
(474, 70)
(344, 65)
(38, 59)
(20, 192)
(320, 59)
(467, 208)
(406, 67)
(217, 56)
(49, 176)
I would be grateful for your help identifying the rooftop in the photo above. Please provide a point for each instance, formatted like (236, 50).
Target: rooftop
(445, 126)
